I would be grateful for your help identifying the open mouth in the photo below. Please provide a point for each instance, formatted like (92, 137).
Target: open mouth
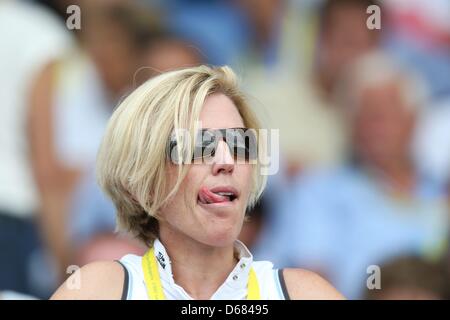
(217, 195)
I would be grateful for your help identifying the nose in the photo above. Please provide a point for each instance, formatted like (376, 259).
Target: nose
(223, 161)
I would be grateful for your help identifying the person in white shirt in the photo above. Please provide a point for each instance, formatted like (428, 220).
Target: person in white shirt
(32, 40)
(186, 201)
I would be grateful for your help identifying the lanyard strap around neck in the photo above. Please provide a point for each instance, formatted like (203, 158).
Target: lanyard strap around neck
(155, 289)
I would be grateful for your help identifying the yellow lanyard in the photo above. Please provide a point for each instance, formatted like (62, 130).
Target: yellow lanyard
(154, 286)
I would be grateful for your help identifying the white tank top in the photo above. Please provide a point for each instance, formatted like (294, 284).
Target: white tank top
(270, 280)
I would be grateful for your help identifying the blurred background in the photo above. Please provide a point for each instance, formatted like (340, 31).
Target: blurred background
(363, 113)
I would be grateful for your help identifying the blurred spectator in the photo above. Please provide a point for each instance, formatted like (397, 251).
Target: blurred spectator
(296, 95)
(341, 221)
(343, 37)
(167, 52)
(32, 42)
(412, 278)
(86, 89)
(113, 37)
(298, 101)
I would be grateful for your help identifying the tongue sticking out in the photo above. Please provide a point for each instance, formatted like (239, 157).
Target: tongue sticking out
(206, 196)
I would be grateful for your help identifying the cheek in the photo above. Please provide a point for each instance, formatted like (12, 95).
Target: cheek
(178, 201)
(186, 196)
(244, 175)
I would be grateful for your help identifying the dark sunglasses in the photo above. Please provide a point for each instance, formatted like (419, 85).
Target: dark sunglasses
(242, 144)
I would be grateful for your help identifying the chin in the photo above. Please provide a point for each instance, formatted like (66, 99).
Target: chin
(221, 237)
(220, 231)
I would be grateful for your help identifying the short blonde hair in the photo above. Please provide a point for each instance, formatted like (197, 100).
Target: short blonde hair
(132, 161)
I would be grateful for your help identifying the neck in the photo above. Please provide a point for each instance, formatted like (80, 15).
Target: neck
(200, 269)
(399, 175)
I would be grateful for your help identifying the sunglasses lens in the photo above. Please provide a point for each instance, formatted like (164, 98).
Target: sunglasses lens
(205, 145)
(242, 144)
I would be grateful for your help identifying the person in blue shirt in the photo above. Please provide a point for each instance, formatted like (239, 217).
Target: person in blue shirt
(345, 220)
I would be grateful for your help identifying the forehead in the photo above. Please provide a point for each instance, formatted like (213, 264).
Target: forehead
(220, 112)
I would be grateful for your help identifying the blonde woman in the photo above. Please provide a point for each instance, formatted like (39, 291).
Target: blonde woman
(185, 196)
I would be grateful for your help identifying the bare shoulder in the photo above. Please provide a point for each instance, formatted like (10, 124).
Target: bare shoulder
(306, 285)
(102, 280)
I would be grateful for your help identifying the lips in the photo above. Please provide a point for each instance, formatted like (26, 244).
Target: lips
(216, 195)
